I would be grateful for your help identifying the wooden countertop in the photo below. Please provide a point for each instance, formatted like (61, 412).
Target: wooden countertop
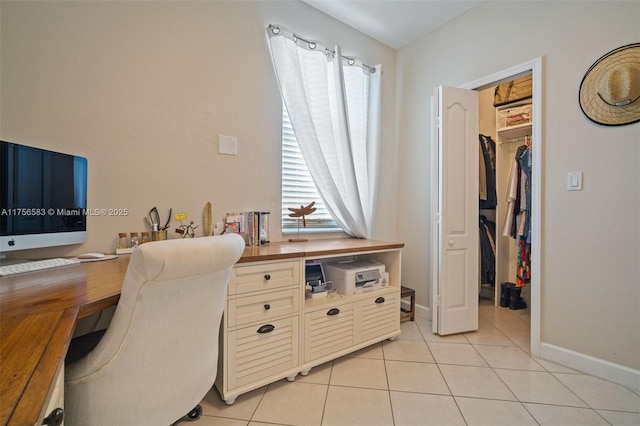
(38, 312)
(314, 248)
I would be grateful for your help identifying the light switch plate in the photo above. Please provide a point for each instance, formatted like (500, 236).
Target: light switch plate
(227, 145)
(574, 181)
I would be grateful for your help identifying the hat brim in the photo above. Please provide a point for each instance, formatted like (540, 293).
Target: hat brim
(592, 105)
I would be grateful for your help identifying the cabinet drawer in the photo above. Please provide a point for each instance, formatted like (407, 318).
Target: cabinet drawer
(263, 276)
(255, 353)
(380, 315)
(328, 330)
(262, 307)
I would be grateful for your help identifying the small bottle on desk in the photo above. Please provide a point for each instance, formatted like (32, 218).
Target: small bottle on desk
(123, 241)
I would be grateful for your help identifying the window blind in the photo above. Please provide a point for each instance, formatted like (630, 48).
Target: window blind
(298, 188)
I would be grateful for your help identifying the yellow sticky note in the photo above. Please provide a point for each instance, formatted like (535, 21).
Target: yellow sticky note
(181, 216)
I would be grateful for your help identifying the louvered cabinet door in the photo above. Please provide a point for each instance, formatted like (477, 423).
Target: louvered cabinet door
(380, 314)
(260, 351)
(329, 330)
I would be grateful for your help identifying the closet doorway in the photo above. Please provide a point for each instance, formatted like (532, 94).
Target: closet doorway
(505, 144)
(442, 313)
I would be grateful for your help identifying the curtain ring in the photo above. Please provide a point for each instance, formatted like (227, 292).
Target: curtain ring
(275, 29)
(351, 61)
(312, 45)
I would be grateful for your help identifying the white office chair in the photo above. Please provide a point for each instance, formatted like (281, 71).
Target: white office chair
(159, 356)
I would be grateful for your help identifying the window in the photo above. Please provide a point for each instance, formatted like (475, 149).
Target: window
(298, 188)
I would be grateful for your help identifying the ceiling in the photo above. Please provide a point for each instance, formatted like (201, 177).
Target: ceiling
(395, 23)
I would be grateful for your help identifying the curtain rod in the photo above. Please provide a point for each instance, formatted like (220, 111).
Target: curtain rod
(275, 29)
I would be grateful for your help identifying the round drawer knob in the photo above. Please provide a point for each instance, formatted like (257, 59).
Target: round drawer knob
(267, 277)
(267, 306)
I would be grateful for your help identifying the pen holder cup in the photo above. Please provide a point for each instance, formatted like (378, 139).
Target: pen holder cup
(158, 235)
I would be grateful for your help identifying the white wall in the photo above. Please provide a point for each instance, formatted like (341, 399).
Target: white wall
(590, 239)
(143, 89)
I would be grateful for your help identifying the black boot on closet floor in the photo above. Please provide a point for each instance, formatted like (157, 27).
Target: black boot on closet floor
(515, 301)
(505, 295)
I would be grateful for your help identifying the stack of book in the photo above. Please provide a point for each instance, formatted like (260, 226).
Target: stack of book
(254, 225)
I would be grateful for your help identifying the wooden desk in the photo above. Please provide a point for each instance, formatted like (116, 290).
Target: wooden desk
(38, 312)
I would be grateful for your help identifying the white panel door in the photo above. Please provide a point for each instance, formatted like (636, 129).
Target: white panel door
(456, 275)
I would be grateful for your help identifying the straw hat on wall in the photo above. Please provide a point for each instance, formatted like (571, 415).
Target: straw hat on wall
(610, 90)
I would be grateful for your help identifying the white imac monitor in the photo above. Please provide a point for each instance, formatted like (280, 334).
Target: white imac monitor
(43, 198)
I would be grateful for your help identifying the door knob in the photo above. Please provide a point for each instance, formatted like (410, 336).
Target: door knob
(450, 242)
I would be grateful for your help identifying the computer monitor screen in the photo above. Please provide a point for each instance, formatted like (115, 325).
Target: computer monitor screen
(43, 198)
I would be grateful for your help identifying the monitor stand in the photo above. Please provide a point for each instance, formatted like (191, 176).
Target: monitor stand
(5, 261)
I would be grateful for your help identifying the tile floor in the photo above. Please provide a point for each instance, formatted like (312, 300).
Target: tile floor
(481, 378)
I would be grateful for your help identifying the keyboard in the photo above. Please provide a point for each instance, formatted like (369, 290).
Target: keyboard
(35, 265)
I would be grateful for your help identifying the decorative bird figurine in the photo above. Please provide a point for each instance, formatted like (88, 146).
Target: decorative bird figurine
(302, 212)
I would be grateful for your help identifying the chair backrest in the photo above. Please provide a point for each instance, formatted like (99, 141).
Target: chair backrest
(159, 355)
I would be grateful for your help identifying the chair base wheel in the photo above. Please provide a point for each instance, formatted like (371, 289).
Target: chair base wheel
(192, 415)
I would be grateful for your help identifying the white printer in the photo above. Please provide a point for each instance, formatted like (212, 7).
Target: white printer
(356, 276)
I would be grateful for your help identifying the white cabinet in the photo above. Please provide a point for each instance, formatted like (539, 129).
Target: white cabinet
(260, 330)
(270, 331)
(336, 328)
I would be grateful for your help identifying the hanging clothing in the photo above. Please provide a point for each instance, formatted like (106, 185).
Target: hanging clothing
(525, 164)
(516, 200)
(512, 193)
(487, 251)
(517, 222)
(482, 177)
(488, 154)
(523, 270)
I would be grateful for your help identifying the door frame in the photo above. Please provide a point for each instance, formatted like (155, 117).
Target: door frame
(534, 67)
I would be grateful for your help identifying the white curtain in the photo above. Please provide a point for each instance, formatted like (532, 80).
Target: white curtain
(334, 106)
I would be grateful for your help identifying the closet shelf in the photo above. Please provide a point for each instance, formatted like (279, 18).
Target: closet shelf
(507, 134)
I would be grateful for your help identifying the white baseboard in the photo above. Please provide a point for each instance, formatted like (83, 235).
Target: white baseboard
(422, 312)
(607, 370)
